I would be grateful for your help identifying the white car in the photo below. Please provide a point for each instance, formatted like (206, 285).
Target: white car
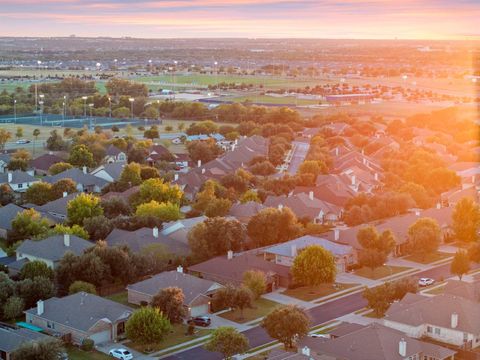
(22, 141)
(425, 282)
(319, 336)
(122, 354)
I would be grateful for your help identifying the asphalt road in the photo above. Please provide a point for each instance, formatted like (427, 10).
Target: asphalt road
(301, 150)
(318, 315)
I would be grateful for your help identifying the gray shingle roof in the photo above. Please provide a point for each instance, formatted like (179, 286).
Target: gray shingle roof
(285, 249)
(18, 177)
(191, 286)
(81, 310)
(113, 169)
(53, 248)
(11, 338)
(7, 214)
(58, 206)
(43, 162)
(78, 176)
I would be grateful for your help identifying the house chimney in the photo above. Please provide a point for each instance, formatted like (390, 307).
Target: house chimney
(155, 232)
(417, 212)
(199, 163)
(236, 141)
(40, 307)
(233, 147)
(473, 179)
(439, 206)
(180, 269)
(50, 153)
(354, 179)
(402, 347)
(65, 194)
(280, 206)
(293, 250)
(84, 169)
(364, 161)
(10, 177)
(337, 151)
(175, 177)
(310, 195)
(454, 321)
(229, 254)
(375, 176)
(203, 171)
(336, 234)
(66, 240)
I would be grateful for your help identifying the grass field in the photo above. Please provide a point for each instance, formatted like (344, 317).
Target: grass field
(380, 272)
(265, 99)
(75, 353)
(309, 293)
(261, 307)
(176, 336)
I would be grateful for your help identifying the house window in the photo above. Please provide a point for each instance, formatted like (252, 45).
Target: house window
(465, 336)
(429, 329)
(20, 186)
(437, 331)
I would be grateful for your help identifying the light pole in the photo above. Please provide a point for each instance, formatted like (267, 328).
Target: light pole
(174, 78)
(15, 110)
(131, 106)
(216, 73)
(41, 111)
(91, 107)
(110, 105)
(84, 106)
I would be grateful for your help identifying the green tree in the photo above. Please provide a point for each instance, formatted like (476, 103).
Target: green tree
(474, 252)
(227, 341)
(59, 167)
(372, 258)
(80, 155)
(369, 238)
(151, 133)
(379, 298)
(162, 211)
(466, 220)
(272, 226)
(63, 186)
(313, 167)
(13, 308)
(39, 193)
(98, 227)
(45, 349)
(81, 286)
(256, 281)
(242, 299)
(170, 301)
(218, 207)
(250, 195)
(460, 264)
(28, 224)
(115, 206)
(147, 325)
(76, 230)
(286, 323)
(82, 207)
(424, 236)
(32, 290)
(18, 164)
(4, 137)
(131, 175)
(314, 265)
(55, 142)
(35, 268)
(156, 189)
(216, 236)
(19, 133)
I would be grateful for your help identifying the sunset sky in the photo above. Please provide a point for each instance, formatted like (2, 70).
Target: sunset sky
(403, 19)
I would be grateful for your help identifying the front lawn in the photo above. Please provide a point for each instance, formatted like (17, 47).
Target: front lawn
(175, 337)
(121, 297)
(261, 307)
(309, 293)
(429, 258)
(75, 353)
(380, 272)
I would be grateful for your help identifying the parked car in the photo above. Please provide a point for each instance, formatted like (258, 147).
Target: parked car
(122, 354)
(319, 336)
(200, 321)
(425, 282)
(23, 141)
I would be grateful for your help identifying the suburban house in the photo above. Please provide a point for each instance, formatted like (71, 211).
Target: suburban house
(463, 289)
(42, 163)
(308, 206)
(445, 318)
(18, 180)
(85, 181)
(124, 195)
(80, 316)
(52, 249)
(109, 172)
(285, 253)
(230, 269)
(178, 230)
(7, 214)
(398, 225)
(374, 342)
(244, 212)
(145, 237)
(114, 154)
(12, 337)
(198, 292)
(158, 152)
(56, 210)
(452, 197)
(4, 160)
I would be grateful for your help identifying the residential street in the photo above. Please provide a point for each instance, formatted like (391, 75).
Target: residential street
(319, 314)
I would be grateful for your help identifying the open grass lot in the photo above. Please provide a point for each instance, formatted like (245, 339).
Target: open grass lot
(175, 337)
(75, 353)
(261, 307)
(121, 297)
(309, 293)
(436, 256)
(380, 272)
(265, 99)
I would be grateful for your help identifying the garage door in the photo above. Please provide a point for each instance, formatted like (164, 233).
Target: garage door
(199, 310)
(101, 337)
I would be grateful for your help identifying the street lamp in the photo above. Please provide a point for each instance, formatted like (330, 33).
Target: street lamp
(41, 111)
(216, 72)
(91, 107)
(110, 105)
(131, 106)
(15, 110)
(84, 106)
